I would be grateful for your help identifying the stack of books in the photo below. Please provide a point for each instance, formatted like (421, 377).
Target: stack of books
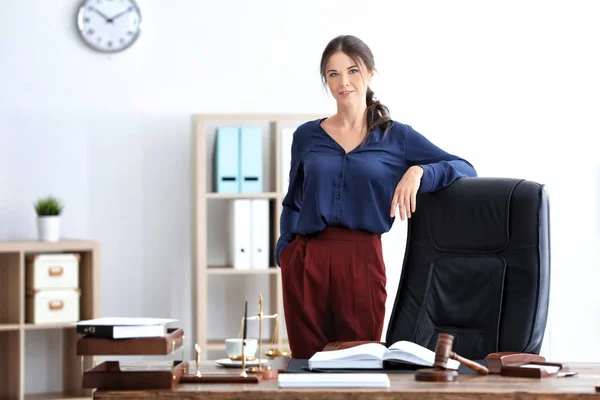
(124, 328)
(130, 337)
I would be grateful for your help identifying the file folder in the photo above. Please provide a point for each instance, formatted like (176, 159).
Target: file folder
(240, 233)
(259, 235)
(251, 160)
(227, 156)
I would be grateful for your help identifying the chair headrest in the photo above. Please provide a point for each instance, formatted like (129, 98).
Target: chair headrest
(472, 214)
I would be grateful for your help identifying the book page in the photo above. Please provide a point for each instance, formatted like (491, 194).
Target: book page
(366, 351)
(416, 354)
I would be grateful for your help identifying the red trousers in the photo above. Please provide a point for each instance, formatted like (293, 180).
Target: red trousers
(333, 289)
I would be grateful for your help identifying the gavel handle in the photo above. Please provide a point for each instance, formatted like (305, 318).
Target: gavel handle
(471, 364)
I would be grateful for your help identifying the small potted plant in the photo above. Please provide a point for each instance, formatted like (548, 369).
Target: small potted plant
(48, 211)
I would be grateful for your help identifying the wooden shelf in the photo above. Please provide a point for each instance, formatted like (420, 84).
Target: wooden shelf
(205, 127)
(232, 196)
(35, 246)
(10, 327)
(54, 396)
(13, 325)
(47, 326)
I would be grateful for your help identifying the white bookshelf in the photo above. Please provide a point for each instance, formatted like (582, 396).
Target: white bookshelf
(209, 239)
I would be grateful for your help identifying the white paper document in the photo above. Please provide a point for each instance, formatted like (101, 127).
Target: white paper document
(335, 380)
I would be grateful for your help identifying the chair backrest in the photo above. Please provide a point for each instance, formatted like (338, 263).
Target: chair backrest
(477, 266)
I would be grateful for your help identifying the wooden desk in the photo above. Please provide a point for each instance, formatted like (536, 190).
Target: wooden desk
(403, 386)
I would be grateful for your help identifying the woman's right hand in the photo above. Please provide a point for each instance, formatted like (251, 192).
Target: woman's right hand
(405, 195)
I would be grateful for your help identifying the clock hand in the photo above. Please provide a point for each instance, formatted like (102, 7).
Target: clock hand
(122, 13)
(102, 15)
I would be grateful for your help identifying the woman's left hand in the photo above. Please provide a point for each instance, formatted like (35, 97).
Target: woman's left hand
(405, 195)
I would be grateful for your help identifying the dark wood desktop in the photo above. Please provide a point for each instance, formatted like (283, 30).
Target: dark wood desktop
(403, 386)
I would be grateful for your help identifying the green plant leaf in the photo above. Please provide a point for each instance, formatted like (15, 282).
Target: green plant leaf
(48, 206)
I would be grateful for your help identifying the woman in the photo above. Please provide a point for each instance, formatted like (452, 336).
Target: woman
(349, 174)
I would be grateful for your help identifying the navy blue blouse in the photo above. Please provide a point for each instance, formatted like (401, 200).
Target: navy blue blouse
(329, 187)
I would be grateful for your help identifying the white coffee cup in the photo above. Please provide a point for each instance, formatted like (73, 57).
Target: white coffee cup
(233, 346)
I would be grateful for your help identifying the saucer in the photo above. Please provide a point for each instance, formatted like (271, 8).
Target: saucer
(229, 363)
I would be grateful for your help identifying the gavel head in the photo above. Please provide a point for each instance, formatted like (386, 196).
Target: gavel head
(443, 350)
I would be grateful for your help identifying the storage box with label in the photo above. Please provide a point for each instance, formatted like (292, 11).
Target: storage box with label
(52, 284)
(52, 306)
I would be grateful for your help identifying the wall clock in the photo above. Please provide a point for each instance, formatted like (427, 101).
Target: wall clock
(109, 25)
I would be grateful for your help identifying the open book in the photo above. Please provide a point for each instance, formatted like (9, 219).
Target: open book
(373, 355)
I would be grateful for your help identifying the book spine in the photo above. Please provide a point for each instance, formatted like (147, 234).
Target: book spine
(104, 331)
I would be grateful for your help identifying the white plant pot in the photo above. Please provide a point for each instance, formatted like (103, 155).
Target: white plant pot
(49, 228)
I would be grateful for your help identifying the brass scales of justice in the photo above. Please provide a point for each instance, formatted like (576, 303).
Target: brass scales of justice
(264, 371)
(247, 375)
(273, 351)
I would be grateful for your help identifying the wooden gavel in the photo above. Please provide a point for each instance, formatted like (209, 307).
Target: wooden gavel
(443, 351)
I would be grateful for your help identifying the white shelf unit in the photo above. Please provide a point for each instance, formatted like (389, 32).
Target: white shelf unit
(207, 235)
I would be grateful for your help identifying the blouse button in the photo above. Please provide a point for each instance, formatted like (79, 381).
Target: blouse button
(341, 174)
(337, 196)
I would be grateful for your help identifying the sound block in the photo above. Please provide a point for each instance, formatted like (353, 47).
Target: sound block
(436, 375)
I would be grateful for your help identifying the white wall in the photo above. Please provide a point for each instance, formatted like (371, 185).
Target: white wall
(512, 86)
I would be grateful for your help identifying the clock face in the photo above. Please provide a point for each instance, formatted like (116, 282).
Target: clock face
(109, 25)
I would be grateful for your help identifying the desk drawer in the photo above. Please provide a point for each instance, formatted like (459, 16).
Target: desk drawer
(52, 306)
(52, 271)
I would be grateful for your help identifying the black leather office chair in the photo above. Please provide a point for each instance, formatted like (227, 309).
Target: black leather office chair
(477, 266)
